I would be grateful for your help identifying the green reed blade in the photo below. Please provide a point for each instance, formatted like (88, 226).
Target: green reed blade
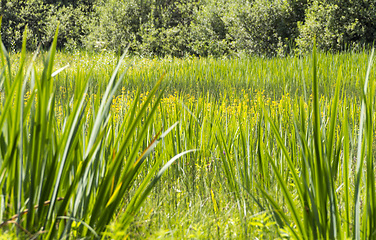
(360, 155)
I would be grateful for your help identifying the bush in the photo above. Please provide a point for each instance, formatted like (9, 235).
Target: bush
(73, 26)
(115, 24)
(338, 25)
(152, 27)
(182, 27)
(42, 18)
(268, 27)
(210, 29)
(192, 27)
(167, 30)
(173, 41)
(18, 14)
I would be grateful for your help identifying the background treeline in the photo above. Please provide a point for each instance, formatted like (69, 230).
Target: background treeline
(192, 27)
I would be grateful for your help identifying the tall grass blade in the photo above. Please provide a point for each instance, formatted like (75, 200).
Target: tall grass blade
(360, 154)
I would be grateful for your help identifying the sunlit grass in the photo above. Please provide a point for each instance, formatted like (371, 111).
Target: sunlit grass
(278, 148)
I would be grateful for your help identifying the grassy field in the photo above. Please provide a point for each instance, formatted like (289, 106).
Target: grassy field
(202, 148)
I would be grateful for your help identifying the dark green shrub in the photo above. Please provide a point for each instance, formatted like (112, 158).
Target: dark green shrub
(74, 24)
(338, 25)
(173, 41)
(152, 27)
(268, 27)
(167, 30)
(116, 24)
(42, 17)
(191, 27)
(18, 14)
(210, 29)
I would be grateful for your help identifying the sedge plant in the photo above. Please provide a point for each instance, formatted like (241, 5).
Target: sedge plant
(307, 160)
(71, 179)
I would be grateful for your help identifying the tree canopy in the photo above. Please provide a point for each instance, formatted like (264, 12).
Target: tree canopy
(186, 27)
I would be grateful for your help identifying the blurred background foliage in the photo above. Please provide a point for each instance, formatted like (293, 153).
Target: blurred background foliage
(192, 27)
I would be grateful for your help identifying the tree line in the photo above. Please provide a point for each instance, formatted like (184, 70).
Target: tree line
(191, 27)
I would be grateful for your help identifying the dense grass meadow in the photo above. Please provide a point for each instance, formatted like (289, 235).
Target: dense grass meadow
(103, 146)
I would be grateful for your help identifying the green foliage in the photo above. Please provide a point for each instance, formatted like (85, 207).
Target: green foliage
(167, 30)
(116, 24)
(41, 18)
(268, 27)
(338, 25)
(18, 14)
(210, 30)
(73, 24)
(217, 27)
(200, 27)
(178, 28)
(148, 27)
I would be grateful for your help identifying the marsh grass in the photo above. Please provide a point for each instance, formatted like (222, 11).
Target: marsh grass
(284, 147)
(310, 165)
(70, 177)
